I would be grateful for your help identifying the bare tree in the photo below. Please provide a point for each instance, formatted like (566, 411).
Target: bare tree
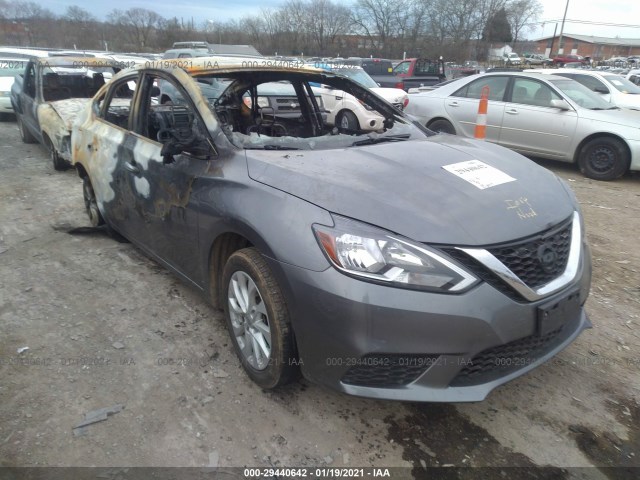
(78, 15)
(378, 19)
(138, 24)
(521, 15)
(328, 21)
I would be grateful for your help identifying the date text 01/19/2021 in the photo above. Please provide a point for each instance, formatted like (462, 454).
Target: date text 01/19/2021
(326, 472)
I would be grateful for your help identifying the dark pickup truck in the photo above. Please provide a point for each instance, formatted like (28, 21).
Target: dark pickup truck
(49, 94)
(380, 69)
(410, 73)
(420, 72)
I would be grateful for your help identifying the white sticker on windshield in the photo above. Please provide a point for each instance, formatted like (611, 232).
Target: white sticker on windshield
(479, 173)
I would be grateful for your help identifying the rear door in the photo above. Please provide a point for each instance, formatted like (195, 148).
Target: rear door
(29, 100)
(462, 106)
(109, 144)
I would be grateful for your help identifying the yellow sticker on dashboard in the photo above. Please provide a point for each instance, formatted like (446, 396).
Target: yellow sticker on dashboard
(389, 69)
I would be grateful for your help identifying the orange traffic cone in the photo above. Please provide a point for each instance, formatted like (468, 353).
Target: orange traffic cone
(481, 121)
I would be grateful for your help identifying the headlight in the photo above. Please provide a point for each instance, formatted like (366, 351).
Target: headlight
(369, 253)
(262, 101)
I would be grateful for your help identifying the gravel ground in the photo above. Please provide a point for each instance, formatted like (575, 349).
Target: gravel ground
(107, 326)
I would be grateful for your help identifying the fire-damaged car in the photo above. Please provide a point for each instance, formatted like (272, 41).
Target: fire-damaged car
(396, 264)
(49, 94)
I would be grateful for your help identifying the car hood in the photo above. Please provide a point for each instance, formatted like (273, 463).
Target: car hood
(627, 100)
(391, 95)
(68, 109)
(402, 187)
(623, 117)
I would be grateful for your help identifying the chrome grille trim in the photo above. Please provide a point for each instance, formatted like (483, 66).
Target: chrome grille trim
(487, 259)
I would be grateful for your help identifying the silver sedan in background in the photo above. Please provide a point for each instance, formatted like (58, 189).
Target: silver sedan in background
(540, 116)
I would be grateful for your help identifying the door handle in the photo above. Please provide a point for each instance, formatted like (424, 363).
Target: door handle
(453, 104)
(512, 112)
(132, 167)
(338, 98)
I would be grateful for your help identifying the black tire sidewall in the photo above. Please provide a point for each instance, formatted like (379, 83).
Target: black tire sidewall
(281, 367)
(25, 135)
(622, 159)
(352, 119)
(59, 163)
(450, 128)
(86, 183)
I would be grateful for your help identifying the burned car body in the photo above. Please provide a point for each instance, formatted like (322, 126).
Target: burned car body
(400, 265)
(50, 93)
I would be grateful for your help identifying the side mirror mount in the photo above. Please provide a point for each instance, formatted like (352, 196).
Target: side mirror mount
(561, 104)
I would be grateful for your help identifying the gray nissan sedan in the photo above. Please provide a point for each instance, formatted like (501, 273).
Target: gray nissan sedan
(396, 264)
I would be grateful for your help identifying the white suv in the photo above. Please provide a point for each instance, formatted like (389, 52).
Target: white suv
(511, 58)
(347, 112)
(612, 87)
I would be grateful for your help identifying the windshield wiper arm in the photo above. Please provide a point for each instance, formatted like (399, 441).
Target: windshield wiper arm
(270, 147)
(388, 138)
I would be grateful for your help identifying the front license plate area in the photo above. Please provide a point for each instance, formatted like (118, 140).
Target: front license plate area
(554, 315)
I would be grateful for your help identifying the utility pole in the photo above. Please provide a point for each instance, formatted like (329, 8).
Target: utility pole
(553, 39)
(562, 28)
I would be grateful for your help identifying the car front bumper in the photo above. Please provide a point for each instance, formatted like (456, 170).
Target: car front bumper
(634, 147)
(381, 342)
(5, 105)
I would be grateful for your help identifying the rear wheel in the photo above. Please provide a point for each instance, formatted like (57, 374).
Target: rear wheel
(25, 134)
(442, 126)
(604, 158)
(258, 320)
(90, 203)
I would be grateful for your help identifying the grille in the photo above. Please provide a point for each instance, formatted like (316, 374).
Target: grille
(484, 274)
(522, 258)
(388, 370)
(498, 361)
(285, 104)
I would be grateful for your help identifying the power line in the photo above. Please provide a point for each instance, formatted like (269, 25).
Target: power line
(585, 22)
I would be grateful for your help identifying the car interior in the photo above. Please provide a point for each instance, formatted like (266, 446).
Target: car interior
(57, 86)
(240, 111)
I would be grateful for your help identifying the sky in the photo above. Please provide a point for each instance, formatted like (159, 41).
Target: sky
(620, 12)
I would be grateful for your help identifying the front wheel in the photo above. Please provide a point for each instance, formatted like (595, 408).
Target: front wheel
(604, 158)
(348, 121)
(58, 162)
(442, 126)
(258, 320)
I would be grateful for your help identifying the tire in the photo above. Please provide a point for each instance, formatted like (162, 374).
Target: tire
(604, 158)
(347, 121)
(25, 134)
(258, 320)
(90, 203)
(58, 162)
(442, 126)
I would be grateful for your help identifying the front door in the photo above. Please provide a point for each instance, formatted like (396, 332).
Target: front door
(531, 125)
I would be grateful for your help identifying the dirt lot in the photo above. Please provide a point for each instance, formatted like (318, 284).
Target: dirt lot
(107, 326)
